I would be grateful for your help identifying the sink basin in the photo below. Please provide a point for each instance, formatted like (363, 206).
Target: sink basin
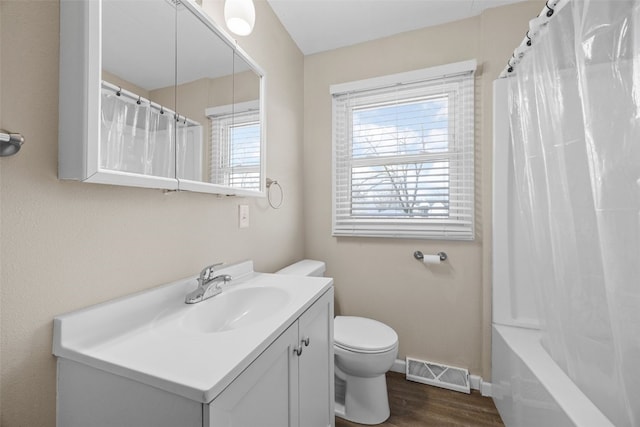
(235, 309)
(190, 350)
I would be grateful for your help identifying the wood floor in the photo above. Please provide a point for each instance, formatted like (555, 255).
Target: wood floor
(415, 404)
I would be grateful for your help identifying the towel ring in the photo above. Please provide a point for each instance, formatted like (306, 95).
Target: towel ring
(10, 143)
(270, 184)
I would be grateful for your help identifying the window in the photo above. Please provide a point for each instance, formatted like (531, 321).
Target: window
(403, 155)
(235, 153)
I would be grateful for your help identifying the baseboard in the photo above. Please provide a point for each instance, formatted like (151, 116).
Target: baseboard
(475, 381)
(400, 365)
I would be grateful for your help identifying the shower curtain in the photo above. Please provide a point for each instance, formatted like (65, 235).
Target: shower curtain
(575, 124)
(135, 136)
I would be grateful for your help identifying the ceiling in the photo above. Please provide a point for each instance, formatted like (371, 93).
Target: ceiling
(320, 25)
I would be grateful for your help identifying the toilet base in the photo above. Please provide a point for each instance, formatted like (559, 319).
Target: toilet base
(365, 399)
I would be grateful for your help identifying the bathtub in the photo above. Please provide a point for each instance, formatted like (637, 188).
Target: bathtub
(529, 389)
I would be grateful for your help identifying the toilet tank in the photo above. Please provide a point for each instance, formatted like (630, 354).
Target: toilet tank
(306, 267)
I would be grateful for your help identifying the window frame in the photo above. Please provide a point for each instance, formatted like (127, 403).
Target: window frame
(454, 227)
(221, 122)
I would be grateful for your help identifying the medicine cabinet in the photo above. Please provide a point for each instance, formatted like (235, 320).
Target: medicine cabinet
(153, 94)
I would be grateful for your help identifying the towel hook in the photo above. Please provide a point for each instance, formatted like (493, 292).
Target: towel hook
(10, 143)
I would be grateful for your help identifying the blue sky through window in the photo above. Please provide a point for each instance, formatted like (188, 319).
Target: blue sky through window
(412, 127)
(384, 187)
(245, 145)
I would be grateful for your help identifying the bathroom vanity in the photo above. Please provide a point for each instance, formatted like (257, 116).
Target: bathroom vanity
(258, 354)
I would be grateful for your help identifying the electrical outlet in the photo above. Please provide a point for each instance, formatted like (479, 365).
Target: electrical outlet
(243, 216)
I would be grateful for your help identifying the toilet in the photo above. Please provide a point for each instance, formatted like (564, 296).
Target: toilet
(365, 350)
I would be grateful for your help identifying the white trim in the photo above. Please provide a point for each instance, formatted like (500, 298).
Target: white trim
(112, 177)
(477, 383)
(400, 366)
(407, 77)
(486, 389)
(459, 224)
(240, 107)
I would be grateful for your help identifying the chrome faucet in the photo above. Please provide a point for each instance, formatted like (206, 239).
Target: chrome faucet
(208, 285)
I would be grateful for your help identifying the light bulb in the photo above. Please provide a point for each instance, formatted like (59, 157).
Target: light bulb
(240, 16)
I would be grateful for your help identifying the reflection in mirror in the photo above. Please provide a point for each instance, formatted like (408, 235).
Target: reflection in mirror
(204, 72)
(236, 133)
(138, 87)
(221, 92)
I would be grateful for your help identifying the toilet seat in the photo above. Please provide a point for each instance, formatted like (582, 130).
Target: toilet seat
(362, 335)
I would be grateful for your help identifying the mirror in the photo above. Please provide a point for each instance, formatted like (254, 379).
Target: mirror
(178, 100)
(219, 136)
(138, 87)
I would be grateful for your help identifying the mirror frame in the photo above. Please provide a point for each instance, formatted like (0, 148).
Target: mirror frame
(80, 104)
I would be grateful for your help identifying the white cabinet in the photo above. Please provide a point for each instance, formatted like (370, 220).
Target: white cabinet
(315, 364)
(265, 394)
(137, 78)
(290, 384)
(83, 152)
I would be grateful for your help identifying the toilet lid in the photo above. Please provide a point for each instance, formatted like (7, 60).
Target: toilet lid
(362, 334)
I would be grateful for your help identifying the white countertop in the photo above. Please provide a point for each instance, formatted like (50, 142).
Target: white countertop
(141, 337)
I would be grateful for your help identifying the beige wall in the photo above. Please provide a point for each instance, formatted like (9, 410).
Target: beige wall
(67, 245)
(441, 313)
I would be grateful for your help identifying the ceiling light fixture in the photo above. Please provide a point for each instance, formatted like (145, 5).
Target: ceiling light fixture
(240, 16)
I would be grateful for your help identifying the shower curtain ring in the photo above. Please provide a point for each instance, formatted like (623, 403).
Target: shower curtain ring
(119, 92)
(550, 11)
(509, 66)
(138, 101)
(528, 39)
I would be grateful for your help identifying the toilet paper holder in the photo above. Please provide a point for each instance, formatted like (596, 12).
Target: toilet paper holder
(420, 256)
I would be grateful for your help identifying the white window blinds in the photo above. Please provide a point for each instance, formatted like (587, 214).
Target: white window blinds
(403, 156)
(235, 153)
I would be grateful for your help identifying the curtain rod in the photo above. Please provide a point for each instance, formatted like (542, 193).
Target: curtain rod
(140, 99)
(535, 25)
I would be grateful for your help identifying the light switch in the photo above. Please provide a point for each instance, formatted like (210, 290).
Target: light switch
(243, 216)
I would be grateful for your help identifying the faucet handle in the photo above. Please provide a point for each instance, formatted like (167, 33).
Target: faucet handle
(207, 272)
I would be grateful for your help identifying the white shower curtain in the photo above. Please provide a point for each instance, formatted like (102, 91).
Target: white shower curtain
(189, 150)
(575, 122)
(160, 157)
(136, 137)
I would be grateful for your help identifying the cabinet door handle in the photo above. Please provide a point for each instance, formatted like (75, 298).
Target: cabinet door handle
(305, 341)
(297, 350)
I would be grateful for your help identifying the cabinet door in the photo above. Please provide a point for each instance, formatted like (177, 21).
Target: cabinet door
(315, 365)
(266, 393)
